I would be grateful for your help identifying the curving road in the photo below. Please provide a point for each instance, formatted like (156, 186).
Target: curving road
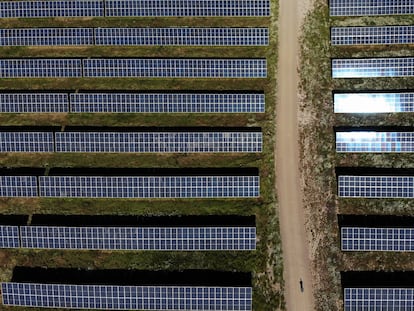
(291, 211)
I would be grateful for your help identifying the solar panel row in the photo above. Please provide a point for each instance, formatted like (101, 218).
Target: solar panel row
(373, 67)
(132, 102)
(376, 186)
(363, 141)
(9, 236)
(134, 36)
(370, 7)
(99, 8)
(356, 299)
(377, 239)
(18, 186)
(372, 35)
(145, 238)
(127, 297)
(373, 102)
(133, 67)
(182, 142)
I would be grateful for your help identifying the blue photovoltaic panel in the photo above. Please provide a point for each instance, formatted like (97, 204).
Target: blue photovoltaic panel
(40, 68)
(34, 102)
(370, 7)
(46, 36)
(187, 8)
(376, 186)
(357, 299)
(50, 8)
(167, 102)
(158, 142)
(373, 102)
(183, 36)
(377, 239)
(364, 141)
(26, 142)
(149, 187)
(174, 68)
(372, 35)
(145, 238)
(9, 236)
(110, 297)
(18, 186)
(373, 67)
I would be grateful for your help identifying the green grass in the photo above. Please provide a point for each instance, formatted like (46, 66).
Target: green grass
(265, 263)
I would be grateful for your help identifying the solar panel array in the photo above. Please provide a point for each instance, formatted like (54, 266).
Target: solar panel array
(40, 68)
(187, 8)
(46, 36)
(34, 102)
(373, 67)
(58, 8)
(158, 141)
(356, 299)
(363, 141)
(167, 102)
(369, 7)
(145, 238)
(127, 297)
(26, 142)
(9, 236)
(372, 35)
(174, 68)
(149, 187)
(376, 186)
(18, 186)
(373, 102)
(183, 36)
(377, 239)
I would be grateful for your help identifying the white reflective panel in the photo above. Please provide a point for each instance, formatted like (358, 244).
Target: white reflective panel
(110, 297)
(377, 239)
(167, 102)
(141, 238)
(381, 299)
(370, 7)
(365, 141)
(375, 186)
(373, 67)
(373, 102)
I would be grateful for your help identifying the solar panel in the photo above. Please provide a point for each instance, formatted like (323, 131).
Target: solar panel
(174, 68)
(158, 141)
(373, 102)
(40, 68)
(376, 186)
(377, 239)
(183, 36)
(18, 186)
(369, 7)
(167, 102)
(372, 35)
(149, 187)
(46, 36)
(26, 142)
(111, 297)
(401, 299)
(144, 238)
(187, 8)
(34, 102)
(60, 8)
(364, 141)
(9, 236)
(373, 67)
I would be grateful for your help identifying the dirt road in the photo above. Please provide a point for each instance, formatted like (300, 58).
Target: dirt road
(291, 213)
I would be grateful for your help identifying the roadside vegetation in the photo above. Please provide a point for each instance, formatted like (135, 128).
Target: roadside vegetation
(318, 158)
(265, 263)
